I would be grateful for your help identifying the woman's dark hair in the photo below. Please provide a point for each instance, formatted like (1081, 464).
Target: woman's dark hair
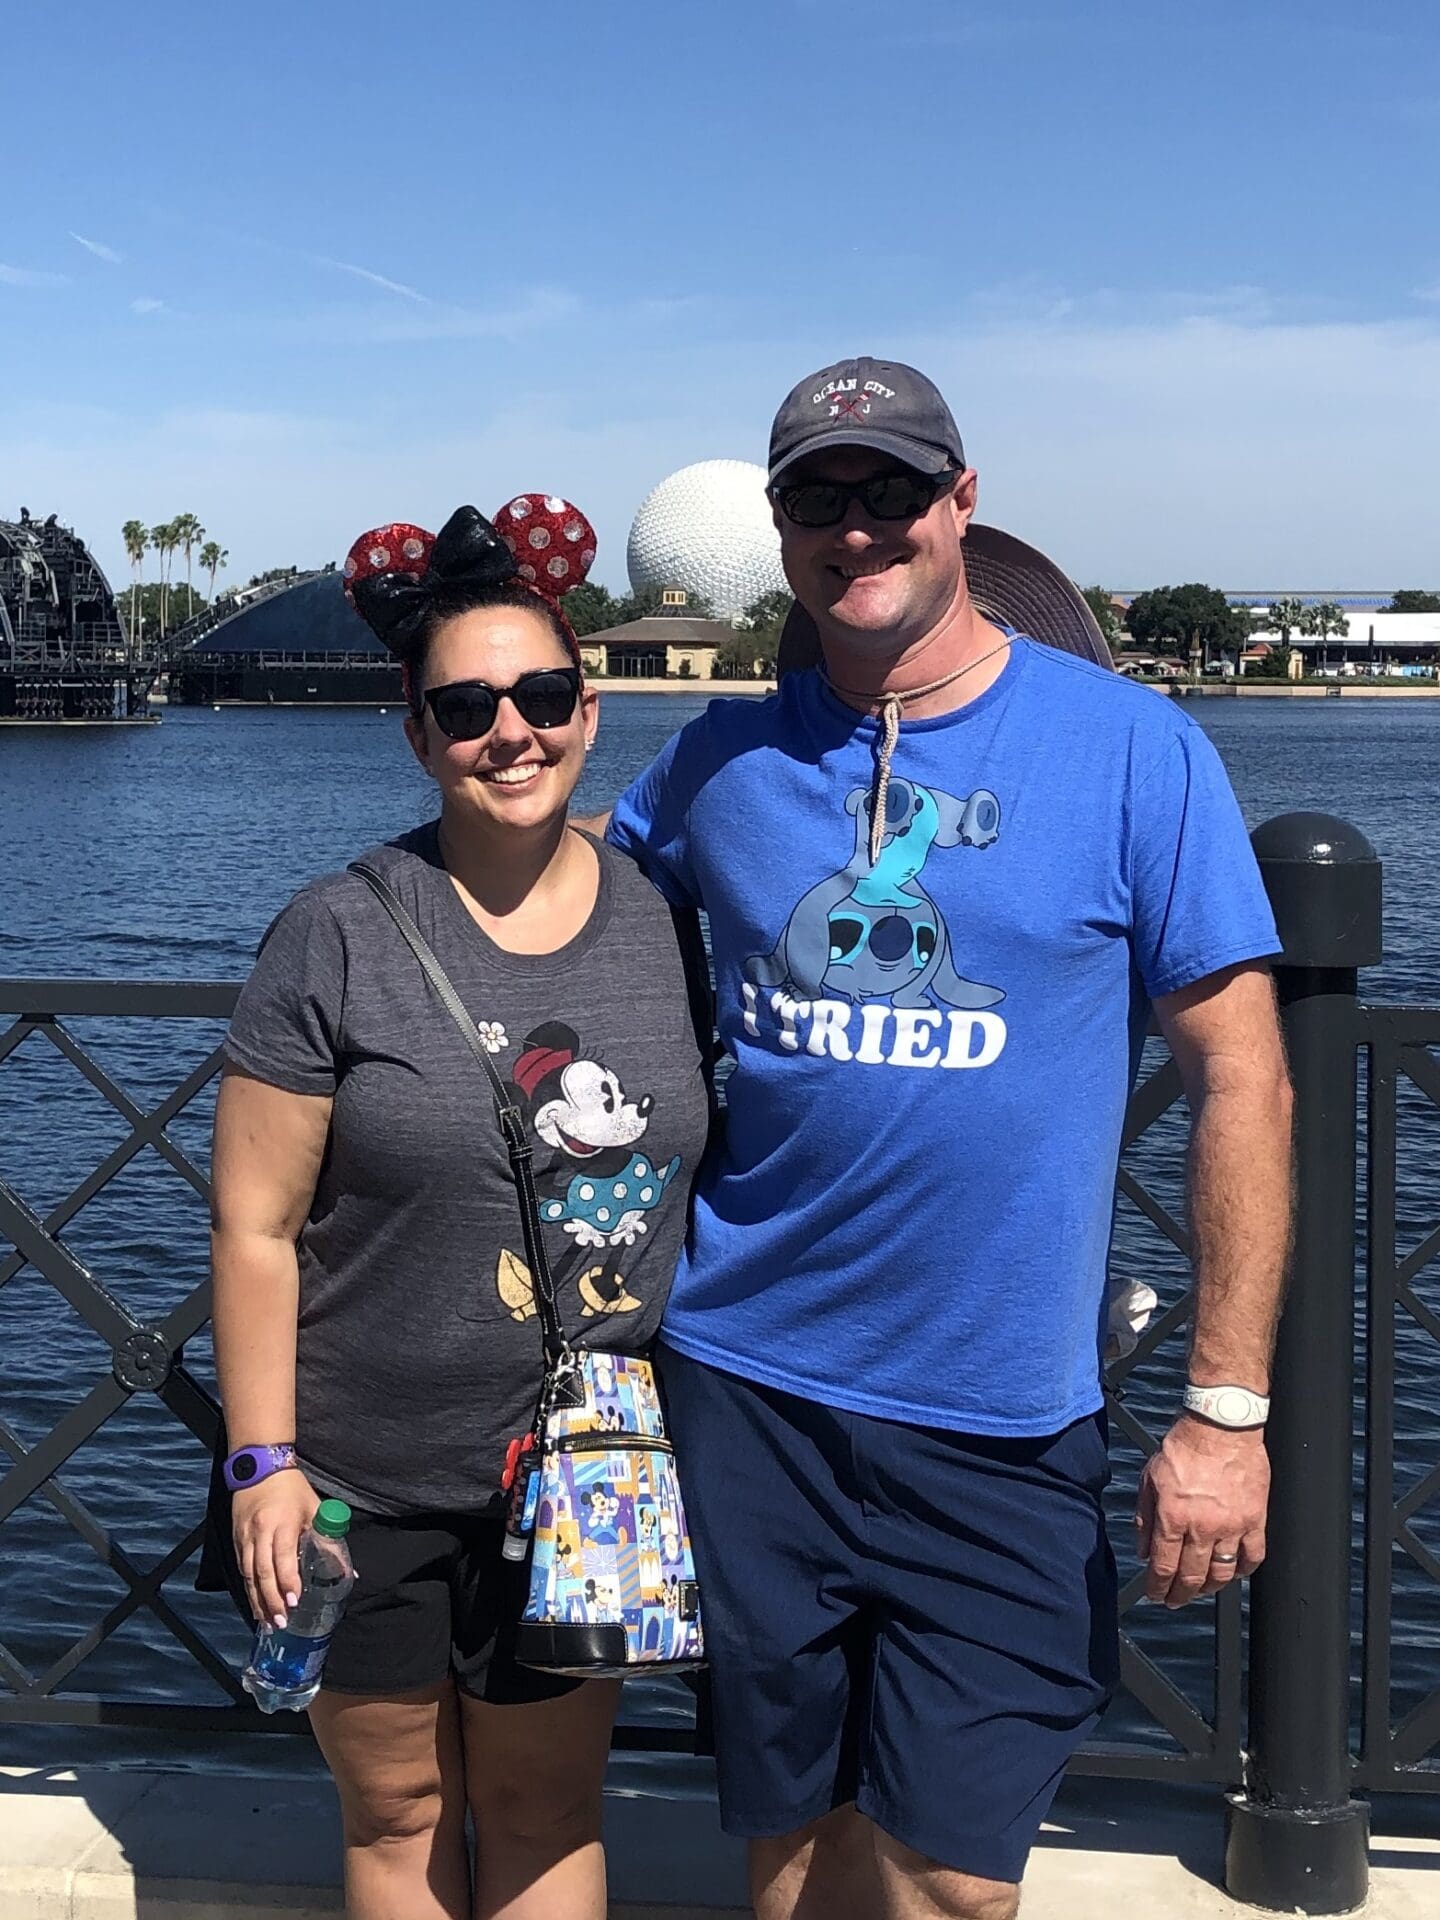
(450, 602)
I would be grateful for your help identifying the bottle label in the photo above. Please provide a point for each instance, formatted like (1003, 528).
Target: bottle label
(289, 1661)
(315, 1660)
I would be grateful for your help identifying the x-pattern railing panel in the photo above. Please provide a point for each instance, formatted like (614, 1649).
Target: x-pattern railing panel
(146, 1356)
(1396, 1752)
(1199, 1747)
(1196, 1746)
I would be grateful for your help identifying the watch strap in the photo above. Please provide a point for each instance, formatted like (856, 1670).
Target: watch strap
(248, 1466)
(1228, 1406)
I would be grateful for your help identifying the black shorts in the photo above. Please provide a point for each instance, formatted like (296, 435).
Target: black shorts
(435, 1596)
(920, 1622)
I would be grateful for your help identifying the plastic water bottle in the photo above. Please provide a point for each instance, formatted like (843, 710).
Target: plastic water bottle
(287, 1662)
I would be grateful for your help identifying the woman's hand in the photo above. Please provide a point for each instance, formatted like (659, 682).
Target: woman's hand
(268, 1522)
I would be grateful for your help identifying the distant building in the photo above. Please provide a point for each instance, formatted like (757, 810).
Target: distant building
(291, 642)
(658, 647)
(1372, 642)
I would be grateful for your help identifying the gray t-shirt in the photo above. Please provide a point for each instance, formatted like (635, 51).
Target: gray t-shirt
(419, 1353)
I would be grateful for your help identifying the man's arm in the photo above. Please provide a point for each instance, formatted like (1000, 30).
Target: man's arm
(1205, 1492)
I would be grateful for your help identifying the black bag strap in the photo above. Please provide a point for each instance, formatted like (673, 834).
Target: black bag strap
(512, 1121)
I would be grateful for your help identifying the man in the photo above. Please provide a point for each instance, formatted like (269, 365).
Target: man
(947, 873)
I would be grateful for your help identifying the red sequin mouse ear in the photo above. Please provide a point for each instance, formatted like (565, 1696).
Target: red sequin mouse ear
(397, 548)
(553, 543)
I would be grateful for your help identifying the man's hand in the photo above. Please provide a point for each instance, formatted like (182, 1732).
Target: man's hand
(1203, 1494)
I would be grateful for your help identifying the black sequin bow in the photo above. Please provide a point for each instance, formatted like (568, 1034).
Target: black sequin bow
(468, 552)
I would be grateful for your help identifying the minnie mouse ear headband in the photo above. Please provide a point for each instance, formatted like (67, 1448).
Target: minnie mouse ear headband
(395, 574)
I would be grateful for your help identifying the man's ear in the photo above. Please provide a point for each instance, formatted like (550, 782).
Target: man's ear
(964, 497)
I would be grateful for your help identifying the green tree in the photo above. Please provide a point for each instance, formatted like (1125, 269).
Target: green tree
(749, 655)
(162, 539)
(212, 558)
(1099, 602)
(590, 608)
(1196, 618)
(188, 533)
(1287, 617)
(141, 605)
(1275, 665)
(771, 610)
(1327, 618)
(1413, 600)
(136, 537)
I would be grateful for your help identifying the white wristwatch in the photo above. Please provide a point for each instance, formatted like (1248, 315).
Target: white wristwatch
(1234, 1407)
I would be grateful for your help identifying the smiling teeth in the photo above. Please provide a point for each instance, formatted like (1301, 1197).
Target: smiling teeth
(513, 776)
(863, 573)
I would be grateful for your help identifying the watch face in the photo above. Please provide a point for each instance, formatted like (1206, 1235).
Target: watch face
(244, 1467)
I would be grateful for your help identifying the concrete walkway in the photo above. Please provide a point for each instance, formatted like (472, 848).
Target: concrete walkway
(118, 1845)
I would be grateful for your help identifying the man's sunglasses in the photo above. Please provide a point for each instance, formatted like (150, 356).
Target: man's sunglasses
(466, 709)
(887, 496)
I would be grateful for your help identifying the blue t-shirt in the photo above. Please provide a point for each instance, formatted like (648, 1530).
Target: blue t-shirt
(909, 1211)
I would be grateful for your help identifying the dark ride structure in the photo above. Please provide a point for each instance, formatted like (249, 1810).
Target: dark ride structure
(295, 641)
(65, 657)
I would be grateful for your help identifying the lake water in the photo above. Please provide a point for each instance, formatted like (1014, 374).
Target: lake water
(162, 853)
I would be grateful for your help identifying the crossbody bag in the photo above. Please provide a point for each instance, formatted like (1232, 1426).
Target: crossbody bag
(593, 1489)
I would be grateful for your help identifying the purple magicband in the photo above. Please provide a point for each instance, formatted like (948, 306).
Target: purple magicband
(248, 1466)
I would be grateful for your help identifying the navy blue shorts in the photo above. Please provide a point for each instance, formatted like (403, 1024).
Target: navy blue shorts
(918, 1621)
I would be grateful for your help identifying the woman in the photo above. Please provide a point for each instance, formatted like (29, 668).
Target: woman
(372, 1302)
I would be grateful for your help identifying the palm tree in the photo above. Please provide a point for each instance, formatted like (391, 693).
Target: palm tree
(212, 557)
(1325, 619)
(188, 533)
(162, 539)
(136, 538)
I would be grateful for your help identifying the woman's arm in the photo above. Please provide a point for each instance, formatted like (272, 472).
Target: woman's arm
(268, 1148)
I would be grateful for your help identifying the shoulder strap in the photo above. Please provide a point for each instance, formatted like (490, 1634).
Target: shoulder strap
(509, 1116)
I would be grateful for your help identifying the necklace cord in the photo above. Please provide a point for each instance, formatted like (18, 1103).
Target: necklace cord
(890, 705)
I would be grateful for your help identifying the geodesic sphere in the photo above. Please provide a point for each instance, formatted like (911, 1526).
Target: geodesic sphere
(708, 529)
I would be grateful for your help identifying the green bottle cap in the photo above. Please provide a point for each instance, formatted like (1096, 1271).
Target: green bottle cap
(332, 1519)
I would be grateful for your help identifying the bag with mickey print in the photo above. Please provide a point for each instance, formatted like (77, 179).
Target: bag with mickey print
(594, 1492)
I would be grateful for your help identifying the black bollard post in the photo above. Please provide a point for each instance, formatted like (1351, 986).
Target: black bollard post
(1295, 1839)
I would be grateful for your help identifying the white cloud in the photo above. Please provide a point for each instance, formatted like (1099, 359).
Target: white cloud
(527, 313)
(30, 277)
(375, 279)
(98, 248)
(1250, 452)
(148, 305)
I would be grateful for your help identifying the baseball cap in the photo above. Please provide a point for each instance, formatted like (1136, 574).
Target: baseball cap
(867, 403)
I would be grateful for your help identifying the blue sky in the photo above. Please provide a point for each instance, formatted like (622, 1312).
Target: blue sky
(301, 268)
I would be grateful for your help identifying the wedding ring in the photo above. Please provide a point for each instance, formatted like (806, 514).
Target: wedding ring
(1225, 1559)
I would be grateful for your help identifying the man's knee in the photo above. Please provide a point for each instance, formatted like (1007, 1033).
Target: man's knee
(919, 1886)
(843, 1834)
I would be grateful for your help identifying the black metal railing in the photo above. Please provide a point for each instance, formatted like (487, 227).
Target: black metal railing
(1273, 1723)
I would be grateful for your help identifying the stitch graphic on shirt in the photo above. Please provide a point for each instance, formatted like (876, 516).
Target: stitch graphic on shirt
(600, 1186)
(873, 933)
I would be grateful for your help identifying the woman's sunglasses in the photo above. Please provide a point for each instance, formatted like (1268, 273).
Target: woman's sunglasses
(466, 709)
(887, 496)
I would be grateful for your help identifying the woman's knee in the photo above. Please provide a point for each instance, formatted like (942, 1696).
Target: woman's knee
(394, 1809)
(555, 1807)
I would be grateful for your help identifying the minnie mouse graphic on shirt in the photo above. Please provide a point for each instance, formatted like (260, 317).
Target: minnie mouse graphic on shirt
(601, 1183)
